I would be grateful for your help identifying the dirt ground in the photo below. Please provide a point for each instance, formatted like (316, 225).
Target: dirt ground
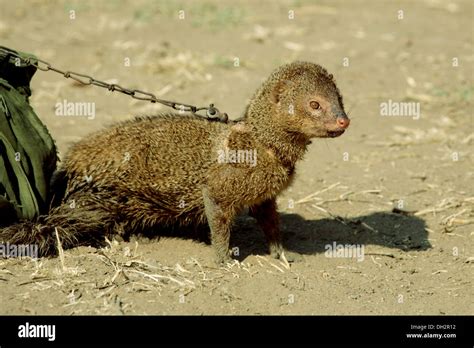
(400, 187)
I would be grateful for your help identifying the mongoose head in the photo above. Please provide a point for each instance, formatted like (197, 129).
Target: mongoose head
(306, 101)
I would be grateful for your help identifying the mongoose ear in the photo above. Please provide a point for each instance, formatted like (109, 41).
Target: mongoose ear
(278, 89)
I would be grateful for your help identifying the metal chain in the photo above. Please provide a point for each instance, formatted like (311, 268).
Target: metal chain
(212, 112)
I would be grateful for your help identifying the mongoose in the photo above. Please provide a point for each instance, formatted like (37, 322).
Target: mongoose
(171, 168)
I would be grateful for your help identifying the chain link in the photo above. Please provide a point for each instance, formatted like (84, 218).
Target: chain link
(212, 112)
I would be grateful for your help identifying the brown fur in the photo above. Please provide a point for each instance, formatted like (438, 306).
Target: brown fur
(162, 170)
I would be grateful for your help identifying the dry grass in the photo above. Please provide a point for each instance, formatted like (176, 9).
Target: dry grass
(124, 270)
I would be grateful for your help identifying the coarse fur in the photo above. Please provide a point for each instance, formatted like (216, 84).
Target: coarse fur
(166, 169)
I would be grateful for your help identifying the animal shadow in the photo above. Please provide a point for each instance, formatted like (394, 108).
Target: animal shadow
(308, 237)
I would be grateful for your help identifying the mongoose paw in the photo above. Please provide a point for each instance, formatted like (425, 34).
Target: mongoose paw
(288, 255)
(222, 260)
(292, 256)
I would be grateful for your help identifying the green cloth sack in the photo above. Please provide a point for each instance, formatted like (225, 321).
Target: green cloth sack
(28, 154)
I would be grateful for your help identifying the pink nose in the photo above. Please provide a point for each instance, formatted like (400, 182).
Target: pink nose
(343, 122)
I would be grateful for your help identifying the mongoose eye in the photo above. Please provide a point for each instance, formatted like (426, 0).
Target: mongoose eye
(314, 105)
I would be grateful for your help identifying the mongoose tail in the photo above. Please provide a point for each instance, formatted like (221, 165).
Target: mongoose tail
(74, 227)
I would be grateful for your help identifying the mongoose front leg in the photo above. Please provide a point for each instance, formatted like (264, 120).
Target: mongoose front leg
(219, 219)
(267, 218)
